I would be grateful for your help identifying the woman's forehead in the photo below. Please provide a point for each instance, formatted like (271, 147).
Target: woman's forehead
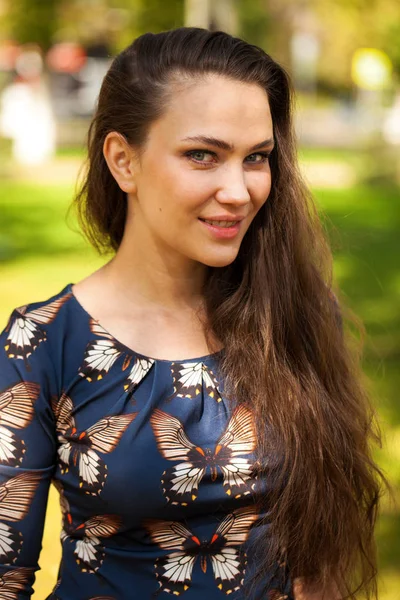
(215, 93)
(217, 107)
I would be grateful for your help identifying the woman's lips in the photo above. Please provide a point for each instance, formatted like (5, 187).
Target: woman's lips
(222, 231)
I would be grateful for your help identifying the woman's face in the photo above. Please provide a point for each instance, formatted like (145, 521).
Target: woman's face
(205, 159)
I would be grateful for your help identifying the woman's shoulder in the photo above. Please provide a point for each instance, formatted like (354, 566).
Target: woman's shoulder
(35, 328)
(52, 304)
(38, 314)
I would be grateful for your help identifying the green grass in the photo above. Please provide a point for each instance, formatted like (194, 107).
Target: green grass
(40, 253)
(33, 222)
(363, 224)
(40, 249)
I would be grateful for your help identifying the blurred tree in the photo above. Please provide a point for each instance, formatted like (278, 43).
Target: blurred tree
(254, 23)
(392, 43)
(118, 21)
(32, 22)
(158, 15)
(224, 16)
(339, 26)
(197, 13)
(216, 15)
(346, 25)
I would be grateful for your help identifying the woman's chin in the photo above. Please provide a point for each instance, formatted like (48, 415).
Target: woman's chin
(218, 260)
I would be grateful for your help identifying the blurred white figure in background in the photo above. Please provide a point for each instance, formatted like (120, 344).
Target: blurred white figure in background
(26, 115)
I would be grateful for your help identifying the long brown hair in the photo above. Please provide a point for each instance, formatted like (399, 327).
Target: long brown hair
(273, 310)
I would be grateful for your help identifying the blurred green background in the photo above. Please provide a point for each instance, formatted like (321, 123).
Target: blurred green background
(344, 59)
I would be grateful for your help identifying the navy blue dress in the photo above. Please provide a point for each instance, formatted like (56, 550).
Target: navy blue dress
(153, 467)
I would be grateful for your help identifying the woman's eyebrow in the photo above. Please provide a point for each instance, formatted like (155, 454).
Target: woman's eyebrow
(211, 141)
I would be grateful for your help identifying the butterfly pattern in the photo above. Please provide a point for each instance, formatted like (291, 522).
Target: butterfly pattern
(139, 370)
(16, 411)
(223, 550)
(81, 448)
(149, 506)
(101, 355)
(88, 536)
(24, 330)
(15, 499)
(182, 481)
(191, 378)
(88, 550)
(12, 583)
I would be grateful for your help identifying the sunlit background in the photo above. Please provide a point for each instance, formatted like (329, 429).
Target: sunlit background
(344, 59)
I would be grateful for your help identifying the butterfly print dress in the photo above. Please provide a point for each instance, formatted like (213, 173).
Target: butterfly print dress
(154, 467)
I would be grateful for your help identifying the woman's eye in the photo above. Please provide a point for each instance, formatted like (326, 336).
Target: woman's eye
(204, 157)
(200, 156)
(262, 157)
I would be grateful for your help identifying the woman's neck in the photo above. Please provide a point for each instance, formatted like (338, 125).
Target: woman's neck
(156, 279)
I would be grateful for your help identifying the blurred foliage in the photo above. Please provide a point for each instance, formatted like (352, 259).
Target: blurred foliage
(254, 21)
(346, 25)
(118, 21)
(158, 15)
(32, 22)
(340, 26)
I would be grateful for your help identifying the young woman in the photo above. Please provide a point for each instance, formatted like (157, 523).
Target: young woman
(193, 401)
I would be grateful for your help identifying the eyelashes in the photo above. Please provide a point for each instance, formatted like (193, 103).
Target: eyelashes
(191, 155)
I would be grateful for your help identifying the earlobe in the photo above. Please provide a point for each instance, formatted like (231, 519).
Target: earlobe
(119, 157)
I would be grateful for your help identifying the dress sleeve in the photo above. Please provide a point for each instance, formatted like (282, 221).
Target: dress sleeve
(27, 451)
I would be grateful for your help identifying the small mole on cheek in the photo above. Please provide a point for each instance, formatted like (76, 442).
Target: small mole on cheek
(160, 209)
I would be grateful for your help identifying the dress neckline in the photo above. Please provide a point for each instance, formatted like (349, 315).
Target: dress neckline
(129, 350)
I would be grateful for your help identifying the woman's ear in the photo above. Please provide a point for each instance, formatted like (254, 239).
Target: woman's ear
(119, 156)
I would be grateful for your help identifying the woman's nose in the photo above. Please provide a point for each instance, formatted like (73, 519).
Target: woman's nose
(232, 188)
